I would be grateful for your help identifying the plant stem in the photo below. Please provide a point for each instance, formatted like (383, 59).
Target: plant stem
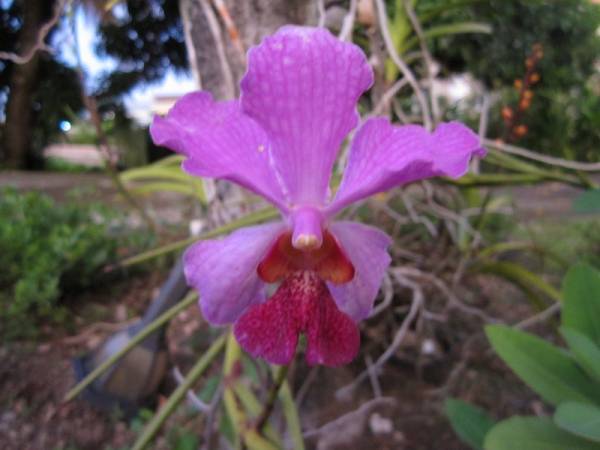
(179, 394)
(280, 375)
(143, 334)
(290, 411)
(249, 219)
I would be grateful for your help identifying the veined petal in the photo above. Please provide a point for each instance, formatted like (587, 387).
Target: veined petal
(224, 271)
(367, 249)
(302, 304)
(302, 86)
(220, 141)
(383, 156)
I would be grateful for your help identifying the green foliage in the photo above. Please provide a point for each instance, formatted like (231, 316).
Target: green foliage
(48, 249)
(584, 350)
(549, 371)
(579, 419)
(163, 176)
(573, 240)
(581, 287)
(147, 40)
(588, 202)
(568, 379)
(565, 111)
(533, 433)
(469, 422)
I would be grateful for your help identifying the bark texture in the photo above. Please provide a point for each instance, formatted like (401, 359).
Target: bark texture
(215, 60)
(16, 139)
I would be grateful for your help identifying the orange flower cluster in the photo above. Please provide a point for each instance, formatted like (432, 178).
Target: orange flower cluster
(513, 128)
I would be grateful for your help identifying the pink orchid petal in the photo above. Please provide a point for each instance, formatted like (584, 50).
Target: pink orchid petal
(367, 249)
(302, 87)
(383, 156)
(224, 271)
(220, 142)
(332, 337)
(270, 330)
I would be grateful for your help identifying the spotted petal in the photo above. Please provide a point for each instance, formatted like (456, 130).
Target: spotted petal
(302, 87)
(383, 156)
(367, 249)
(220, 142)
(224, 271)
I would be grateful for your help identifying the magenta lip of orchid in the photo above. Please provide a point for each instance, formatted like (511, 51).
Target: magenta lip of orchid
(280, 140)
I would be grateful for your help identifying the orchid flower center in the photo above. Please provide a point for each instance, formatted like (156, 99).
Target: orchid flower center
(307, 223)
(328, 261)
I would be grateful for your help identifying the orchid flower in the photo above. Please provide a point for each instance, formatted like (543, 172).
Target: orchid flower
(280, 140)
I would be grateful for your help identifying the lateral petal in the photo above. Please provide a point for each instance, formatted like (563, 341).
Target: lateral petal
(224, 271)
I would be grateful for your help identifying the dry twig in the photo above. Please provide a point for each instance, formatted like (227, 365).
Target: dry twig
(416, 305)
(429, 63)
(348, 23)
(39, 42)
(551, 160)
(402, 66)
(215, 30)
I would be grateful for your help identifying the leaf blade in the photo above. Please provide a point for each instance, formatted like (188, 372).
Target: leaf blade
(581, 291)
(584, 350)
(579, 419)
(533, 433)
(470, 423)
(546, 369)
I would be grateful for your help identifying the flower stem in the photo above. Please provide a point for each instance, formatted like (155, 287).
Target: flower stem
(179, 394)
(280, 376)
(143, 334)
(249, 219)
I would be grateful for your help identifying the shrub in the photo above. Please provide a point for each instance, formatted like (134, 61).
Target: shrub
(48, 249)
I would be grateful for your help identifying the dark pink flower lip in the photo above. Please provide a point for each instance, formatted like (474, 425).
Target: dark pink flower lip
(302, 304)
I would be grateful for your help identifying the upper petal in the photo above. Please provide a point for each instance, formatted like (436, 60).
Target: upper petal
(224, 271)
(367, 249)
(383, 156)
(220, 141)
(302, 86)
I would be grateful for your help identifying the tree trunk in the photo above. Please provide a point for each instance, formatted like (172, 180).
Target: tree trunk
(216, 62)
(16, 139)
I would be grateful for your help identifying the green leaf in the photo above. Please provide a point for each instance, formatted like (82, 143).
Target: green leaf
(546, 369)
(166, 186)
(469, 422)
(587, 202)
(447, 30)
(152, 172)
(580, 419)
(584, 350)
(581, 291)
(520, 276)
(533, 433)
(186, 441)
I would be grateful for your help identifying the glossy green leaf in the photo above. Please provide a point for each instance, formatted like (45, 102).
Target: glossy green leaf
(533, 433)
(581, 310)
(470, 423)
(584, 350)
(587, 202)
(546, 369)
(580, 419)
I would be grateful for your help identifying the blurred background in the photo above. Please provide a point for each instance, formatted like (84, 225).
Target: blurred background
(93, 215)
